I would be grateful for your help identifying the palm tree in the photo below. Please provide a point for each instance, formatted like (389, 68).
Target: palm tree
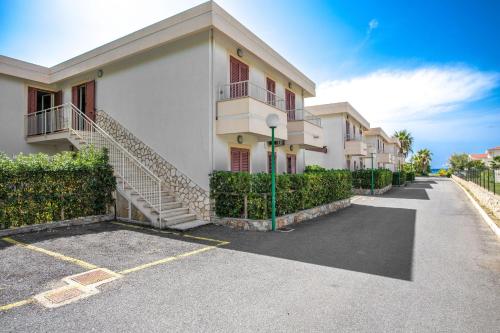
(406, 140)
(495, 163)
(423, 158)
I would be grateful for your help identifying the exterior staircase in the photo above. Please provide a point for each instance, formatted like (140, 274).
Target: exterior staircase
(135, 182)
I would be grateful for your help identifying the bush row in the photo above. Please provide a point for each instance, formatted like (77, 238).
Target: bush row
(362, 178)
(39, 188)
(241, 194)
(410, 176)
(399, 178)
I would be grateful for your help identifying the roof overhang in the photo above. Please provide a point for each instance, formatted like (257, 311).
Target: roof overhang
(203, 17)
(379, 131)
(338, 108)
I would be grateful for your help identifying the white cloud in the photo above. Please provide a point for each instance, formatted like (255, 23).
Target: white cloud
(394, 95)
(372, 25)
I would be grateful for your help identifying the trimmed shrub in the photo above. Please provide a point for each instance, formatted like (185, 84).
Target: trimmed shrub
(240, 194)
(410, 176)
(362, 178)
(314, 168)
(399, 178)
(39, 188)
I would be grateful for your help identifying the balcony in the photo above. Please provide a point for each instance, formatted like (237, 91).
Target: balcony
(386, 158)
(304, 129)
(51, 124)
(243, 107)
(355, 146)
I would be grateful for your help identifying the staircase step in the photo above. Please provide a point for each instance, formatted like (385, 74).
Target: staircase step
(189, 225)
(169, 221)
(174, 212)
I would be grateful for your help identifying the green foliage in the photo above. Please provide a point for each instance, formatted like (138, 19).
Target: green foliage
(313, 168)
(410, 176)
(406, 140)
(294, 192)
(495, 163)
(399, 178)
(476, 164)
(39, 188)
(458, 162)
(362, 178)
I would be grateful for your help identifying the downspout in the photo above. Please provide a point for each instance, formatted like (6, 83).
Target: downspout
(211, 96)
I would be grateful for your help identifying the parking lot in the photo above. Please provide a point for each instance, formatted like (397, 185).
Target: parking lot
(416, 259)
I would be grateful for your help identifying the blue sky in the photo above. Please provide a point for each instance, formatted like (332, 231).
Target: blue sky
(432, 67)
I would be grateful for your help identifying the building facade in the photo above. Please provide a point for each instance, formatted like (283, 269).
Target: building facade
(194, 89)
(344, 137)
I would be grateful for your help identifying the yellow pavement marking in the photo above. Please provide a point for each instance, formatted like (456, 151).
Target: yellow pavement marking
(165, 260)
(50, 253)
(221, 242)
(16, 304)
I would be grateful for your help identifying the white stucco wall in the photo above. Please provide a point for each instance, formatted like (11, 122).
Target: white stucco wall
(13, 107)
(162, 96)
(223, 49)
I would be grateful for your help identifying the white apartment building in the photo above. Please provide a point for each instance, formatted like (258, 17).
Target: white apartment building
(172, 102)
(344, 137)
(385, 148)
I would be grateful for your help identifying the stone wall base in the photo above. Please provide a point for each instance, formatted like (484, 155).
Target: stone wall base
(377, 191)
(285, 220)
(485, 197)
(58, 224)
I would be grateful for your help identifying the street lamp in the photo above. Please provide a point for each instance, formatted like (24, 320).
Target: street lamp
(372, 183)
(272, 122)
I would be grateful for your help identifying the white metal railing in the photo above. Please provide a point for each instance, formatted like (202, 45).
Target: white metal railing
(300, 114)
(132, 172)
(354, 137)
(248, 89)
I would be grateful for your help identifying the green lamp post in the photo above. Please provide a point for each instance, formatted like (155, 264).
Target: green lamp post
(372, 183)
(272, 122)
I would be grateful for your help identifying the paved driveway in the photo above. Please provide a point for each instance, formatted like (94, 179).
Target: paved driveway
(417, 259)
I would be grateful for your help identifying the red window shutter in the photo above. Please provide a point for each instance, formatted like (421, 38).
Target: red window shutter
(31, 99)
(58, 98)
(240, 160)
(271, 88)
(294, 164)
(238, 72)
(245, 160)
(290, 104)
(235, 159)
(269, 162)
(90, 100)
(74, 96)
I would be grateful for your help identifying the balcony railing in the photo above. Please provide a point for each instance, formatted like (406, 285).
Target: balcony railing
(353, 137)
(52, 120)
(249, 89)
(300, 114)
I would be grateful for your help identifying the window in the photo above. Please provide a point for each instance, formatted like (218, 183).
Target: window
(347, 130)
(83, 97)
(291, 163)
(355, 166)
(271, 91)
(290, 104)
(238, 78)
(240, 159)
(348, 164)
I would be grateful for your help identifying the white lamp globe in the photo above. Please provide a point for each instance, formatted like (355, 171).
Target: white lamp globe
(272, 120)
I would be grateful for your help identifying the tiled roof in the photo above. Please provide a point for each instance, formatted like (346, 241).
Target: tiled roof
(479, 155)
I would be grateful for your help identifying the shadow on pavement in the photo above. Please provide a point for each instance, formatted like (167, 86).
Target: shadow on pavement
(419, 185)
(406, 193)
(372, 240)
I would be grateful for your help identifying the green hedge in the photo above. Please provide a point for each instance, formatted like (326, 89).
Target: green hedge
(410, 176)
(362, 178)
(39, 188)
(294, 192)
(399, 178)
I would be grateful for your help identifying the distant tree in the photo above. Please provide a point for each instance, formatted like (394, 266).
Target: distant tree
(495, 164)
(476, 164)
(458, 162)
(422, 161)
(406, 140)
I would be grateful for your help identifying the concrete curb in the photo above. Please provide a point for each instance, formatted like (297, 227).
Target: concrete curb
(486, 218)
(58, 224)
